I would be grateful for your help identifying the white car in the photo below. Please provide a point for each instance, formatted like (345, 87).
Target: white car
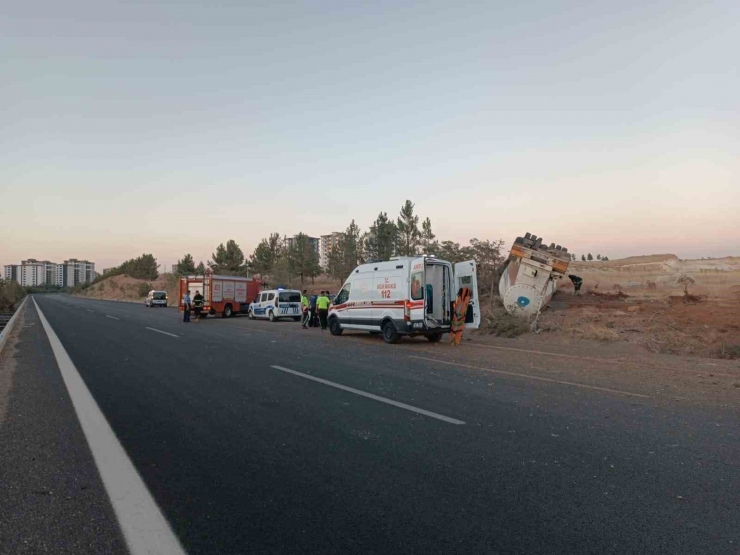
(274, 304)
(156, 298)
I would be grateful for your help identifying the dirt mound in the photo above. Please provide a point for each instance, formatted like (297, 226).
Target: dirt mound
(127, 288)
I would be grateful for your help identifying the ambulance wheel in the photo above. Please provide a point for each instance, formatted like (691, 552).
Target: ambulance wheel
(272, 316)
(335, 327)
(389, 332)
(228, 311)
(434, 338)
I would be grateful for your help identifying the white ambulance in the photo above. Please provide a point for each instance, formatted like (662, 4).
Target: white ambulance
(405, 296)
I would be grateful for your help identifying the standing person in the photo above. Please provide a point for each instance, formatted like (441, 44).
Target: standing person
(306, 309)
(322, 304)
(186, 302)
(312, 318)
(197, 305)
(577, 283)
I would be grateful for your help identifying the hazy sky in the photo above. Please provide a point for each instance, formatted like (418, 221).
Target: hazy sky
(166, 127)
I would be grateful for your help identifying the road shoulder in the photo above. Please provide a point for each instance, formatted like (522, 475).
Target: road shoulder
(52, 499)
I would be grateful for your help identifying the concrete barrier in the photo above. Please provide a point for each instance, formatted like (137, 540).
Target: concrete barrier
(9, 327)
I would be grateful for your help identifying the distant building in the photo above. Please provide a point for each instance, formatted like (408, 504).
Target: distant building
(313, 241)
(327, 244)
(35, 273)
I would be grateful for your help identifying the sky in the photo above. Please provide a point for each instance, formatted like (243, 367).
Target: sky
(172, 126)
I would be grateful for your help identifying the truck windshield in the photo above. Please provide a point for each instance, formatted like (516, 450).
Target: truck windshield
(290, 297)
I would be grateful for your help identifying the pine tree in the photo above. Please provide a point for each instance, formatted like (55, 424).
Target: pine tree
(589, 257)
(227, 260)
(381, 239)
(186, 266)
(407, 240)
(266, 254)
(583, 257)
(427, 239)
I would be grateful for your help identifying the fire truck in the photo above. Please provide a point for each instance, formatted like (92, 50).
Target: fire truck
(225, 295)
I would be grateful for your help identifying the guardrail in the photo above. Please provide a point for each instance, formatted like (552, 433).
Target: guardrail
(5, 333)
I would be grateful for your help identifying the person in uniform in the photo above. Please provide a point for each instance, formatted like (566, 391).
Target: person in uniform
(198, 305)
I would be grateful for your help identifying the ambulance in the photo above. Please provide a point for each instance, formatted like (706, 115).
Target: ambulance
(405, 296)
(224, 295)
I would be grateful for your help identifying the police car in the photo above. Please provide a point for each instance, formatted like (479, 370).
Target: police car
(274, 304)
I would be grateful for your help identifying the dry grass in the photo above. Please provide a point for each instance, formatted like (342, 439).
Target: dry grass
(594, 332)
(496, 321)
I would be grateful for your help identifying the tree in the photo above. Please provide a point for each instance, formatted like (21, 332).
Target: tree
(605, 258)
(381, 239)
(186, 266)
(303, 260)
(453, 252)
(427, 242)
(200, 269)
(589, 257)
(583, 257)
(598, 257)
(227, 260)
(335, 266)
(407, 240)
(266, 254)
(488, 257)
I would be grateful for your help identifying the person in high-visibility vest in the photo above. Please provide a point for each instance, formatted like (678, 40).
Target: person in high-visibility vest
(306, 308)
(322, 304)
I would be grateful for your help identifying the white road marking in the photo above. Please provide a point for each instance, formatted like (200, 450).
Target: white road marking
(371, 396)
(530, 377)
(88, 310)
(143, 525)
(164, 332)
(111, 317)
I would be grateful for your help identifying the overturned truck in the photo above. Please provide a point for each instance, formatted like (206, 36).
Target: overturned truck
(530, 275)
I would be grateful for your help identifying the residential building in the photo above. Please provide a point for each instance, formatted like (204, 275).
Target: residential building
(326, 245)
(313, 241)
(35, 273)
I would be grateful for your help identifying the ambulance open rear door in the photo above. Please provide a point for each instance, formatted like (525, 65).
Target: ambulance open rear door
(466, 275)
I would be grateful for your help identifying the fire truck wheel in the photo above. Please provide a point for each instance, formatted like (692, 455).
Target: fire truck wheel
(228, 311)
(272, 316)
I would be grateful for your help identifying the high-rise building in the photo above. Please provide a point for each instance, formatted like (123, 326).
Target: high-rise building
(326, 245)
(34, 273)
(313, 241)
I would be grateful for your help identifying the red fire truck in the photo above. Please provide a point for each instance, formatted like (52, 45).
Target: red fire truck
(225, 295)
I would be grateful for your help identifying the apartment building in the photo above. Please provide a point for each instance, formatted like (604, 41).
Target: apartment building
(313, 241)
(326, 244)
(35, 273)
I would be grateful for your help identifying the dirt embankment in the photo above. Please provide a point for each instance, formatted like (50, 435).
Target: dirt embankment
(126, 288)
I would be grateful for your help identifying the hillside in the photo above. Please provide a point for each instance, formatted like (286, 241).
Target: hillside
(126, 288)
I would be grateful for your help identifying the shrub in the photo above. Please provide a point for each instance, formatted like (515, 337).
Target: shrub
(144, 289)
(10, 293)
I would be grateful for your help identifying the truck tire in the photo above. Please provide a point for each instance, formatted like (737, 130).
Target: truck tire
(272, 316)
(228, 311)
(389, 332)
(335, 327)
(434, 337)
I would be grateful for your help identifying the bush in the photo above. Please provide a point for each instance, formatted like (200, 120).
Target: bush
(10, 293)
(500, 323)
(144, 289)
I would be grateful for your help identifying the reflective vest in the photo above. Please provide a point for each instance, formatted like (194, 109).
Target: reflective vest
(322, 302)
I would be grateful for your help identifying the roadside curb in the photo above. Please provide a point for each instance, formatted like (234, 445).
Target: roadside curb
(9, 327)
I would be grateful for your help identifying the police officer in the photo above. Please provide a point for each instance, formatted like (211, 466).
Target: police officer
(322, 305)
(186, 307)
(306, 308)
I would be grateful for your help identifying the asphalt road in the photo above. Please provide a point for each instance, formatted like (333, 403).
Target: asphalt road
(244, 457)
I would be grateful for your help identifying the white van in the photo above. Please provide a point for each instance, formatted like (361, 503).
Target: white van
(276, 303)
(405, 296)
